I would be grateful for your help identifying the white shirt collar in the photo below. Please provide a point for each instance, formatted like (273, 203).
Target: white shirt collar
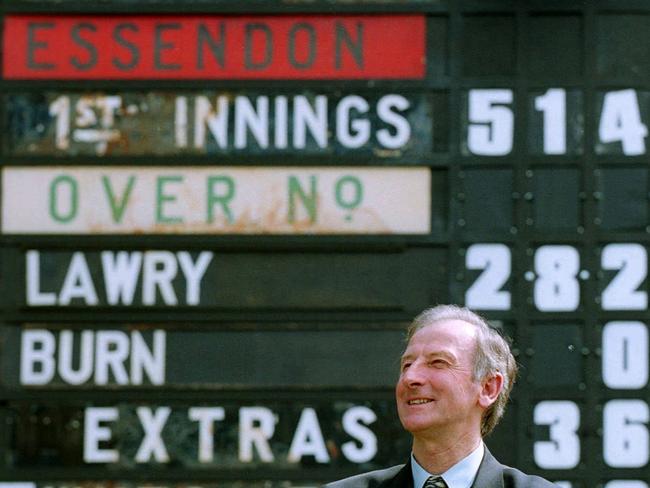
(460, 475)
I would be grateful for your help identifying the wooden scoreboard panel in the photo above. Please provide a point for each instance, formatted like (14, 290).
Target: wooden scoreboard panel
(218, 218)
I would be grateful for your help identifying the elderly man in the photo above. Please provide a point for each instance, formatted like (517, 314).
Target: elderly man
(455, 380)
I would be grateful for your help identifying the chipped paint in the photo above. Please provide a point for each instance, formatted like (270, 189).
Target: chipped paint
(216, 200)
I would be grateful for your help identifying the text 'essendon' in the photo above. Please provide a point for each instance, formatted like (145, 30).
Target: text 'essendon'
(214, 47)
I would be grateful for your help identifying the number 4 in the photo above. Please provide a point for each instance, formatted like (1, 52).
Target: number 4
(620, 121)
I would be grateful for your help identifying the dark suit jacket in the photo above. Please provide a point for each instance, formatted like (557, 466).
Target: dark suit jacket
(491, 474)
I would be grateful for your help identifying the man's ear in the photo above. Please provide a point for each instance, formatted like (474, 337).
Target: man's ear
(490, 389)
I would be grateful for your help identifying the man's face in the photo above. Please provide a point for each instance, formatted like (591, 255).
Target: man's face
(436, 391)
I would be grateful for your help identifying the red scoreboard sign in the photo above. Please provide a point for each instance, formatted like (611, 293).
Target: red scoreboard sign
(214, 47)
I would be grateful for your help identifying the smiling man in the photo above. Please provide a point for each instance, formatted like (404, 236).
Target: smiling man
(455, 379)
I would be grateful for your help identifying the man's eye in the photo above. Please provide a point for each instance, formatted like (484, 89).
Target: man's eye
(438, 363)
(405, 366)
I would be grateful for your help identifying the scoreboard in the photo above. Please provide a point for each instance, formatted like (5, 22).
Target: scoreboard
(218, 218)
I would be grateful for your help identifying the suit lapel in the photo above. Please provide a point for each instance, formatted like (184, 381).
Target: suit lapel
(403, 478)
(490, 473)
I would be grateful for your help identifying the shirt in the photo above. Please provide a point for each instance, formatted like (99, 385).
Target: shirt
(460, 475)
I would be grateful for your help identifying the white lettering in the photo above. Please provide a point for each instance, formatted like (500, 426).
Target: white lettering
(257, 120)
(562, 451)
(151, 361)
(121, 274)
(356, 133)
(106, 351)
(216, 120)
(85, 371)
(152, 445)
(78, 283)
(386, 110)
(121, 271)
(553, 106)
(620, 121)
(111, 351)
(491, 122)
(308, 439)
(180, 122)
(625, 433)
(304, 115)
(194, 273)
(94, 433)
(160, 269)
(256, 427)
(625, 355)
(206, 417)
(34, 295)
(281, 122)
(355, 421)
(37, 365)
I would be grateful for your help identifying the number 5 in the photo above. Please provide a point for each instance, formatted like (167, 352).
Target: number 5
(491, 124)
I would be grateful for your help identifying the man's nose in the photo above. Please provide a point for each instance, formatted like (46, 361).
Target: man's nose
(413, 375)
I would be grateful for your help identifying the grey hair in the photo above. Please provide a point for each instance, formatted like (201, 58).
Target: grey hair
(492, 354)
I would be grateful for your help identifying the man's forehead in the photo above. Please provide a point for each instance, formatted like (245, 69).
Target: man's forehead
(443, 334)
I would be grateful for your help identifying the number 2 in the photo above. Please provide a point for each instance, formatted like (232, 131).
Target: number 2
(485, 293)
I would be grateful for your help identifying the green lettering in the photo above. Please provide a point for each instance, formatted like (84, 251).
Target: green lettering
(55, 211)
(221, 199)
(356, 192)
(118, 207)
(308, 201)
(162, 197)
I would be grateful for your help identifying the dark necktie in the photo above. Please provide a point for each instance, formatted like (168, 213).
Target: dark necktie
(435, 482)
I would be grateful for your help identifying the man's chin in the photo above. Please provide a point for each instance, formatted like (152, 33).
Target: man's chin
(415, 425)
